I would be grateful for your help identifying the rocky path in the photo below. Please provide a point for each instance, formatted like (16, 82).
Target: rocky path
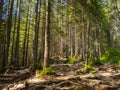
(70, 77)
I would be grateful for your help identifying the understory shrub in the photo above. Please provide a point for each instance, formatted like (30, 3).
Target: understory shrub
(71, 60)
(112, 56)
(95, 61)
(87, 68)
(46, 71)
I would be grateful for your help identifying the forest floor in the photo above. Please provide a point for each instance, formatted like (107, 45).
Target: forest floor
(65, 77)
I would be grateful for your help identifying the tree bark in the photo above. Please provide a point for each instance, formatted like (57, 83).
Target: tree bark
(47, 36)
(25, 36)
(13, 38)
(76, 42)
(8, 31)
(36, 33)
(18, 36)
(1, 11)
(1, 35)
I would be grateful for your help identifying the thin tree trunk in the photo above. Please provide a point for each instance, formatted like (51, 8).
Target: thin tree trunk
(8, 31)
(83, 45)
(13, 38)
(47, 36)
(25, 36)
(1, 34)
(27, 45)
(76, 43)
(1, 11)
(36, 34)
(67, 40)
(87, 43)
(18, 37)
(41, 56)
(71, 42)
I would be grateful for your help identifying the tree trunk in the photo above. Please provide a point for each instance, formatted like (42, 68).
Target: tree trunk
(1, 34)
(41, 56)
(76, 42)
(13, 38)
(36, 33)
(8, 31)
(1, 11)
(87, 43)
(25, 36)
(18, 37)
(47, 36)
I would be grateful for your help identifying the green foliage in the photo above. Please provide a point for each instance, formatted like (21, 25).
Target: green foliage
(104, 57)
(95, 61)
(71, 60)
(62, 33)
(45, 71)
(35, 65)
(112, 56)
(87, 68)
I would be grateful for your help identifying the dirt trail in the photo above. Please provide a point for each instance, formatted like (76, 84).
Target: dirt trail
(70, 77)
(14, 76)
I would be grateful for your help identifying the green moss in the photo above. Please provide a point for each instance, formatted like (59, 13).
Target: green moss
(45, 72)
(71, 60)
(87, 68)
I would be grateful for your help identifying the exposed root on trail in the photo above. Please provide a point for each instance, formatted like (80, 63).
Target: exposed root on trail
(69, 77)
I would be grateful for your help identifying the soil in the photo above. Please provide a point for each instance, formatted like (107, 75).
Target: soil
(65, 77)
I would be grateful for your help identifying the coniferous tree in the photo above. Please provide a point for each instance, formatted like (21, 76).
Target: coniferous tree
(47, 36)
(8, 31)
(17, 46)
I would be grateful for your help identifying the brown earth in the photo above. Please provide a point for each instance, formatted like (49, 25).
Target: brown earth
(65, 77)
